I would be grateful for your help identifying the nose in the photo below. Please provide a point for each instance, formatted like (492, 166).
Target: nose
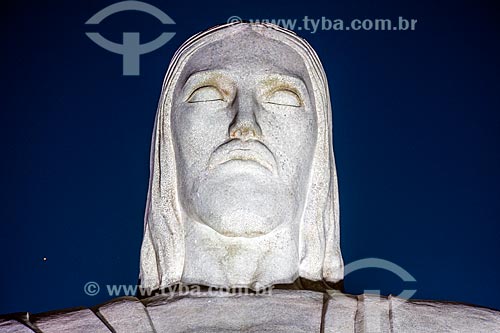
(244, 125)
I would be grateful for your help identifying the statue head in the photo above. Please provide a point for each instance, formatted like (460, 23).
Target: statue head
(243, 187)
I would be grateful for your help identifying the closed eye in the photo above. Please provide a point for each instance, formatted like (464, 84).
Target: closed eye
(284, 97)
(205, 94)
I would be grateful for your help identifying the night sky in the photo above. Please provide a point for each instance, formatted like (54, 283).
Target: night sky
(416, 136)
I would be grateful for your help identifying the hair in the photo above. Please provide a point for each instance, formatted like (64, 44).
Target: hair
(163, 248)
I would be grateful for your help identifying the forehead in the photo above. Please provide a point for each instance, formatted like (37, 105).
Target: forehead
(248, 52)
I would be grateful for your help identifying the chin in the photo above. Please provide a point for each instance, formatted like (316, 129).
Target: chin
(244, 206)
(240, 223)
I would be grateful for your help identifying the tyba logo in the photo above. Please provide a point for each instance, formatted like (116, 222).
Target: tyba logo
(131, 49)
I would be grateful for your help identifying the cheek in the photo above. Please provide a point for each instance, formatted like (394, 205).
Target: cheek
(197, 132)
(292, 137)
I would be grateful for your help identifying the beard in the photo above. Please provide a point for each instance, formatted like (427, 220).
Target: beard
(238, 201)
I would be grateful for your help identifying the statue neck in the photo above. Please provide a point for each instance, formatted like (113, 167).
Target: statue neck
(212, 259)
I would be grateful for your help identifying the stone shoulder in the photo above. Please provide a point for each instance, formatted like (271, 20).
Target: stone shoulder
(278, 311)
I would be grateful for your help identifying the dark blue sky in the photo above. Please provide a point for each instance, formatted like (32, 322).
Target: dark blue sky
(416, 137)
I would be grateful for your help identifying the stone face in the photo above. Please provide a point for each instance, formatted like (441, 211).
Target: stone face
(243, 193)
(125, 315)
(282, 311)
(243, 186)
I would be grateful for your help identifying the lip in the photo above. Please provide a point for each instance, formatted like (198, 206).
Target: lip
(237, 150)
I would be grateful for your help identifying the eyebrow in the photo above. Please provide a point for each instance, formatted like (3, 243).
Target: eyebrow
(280, 81)
(206, 78)
(220, 79)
